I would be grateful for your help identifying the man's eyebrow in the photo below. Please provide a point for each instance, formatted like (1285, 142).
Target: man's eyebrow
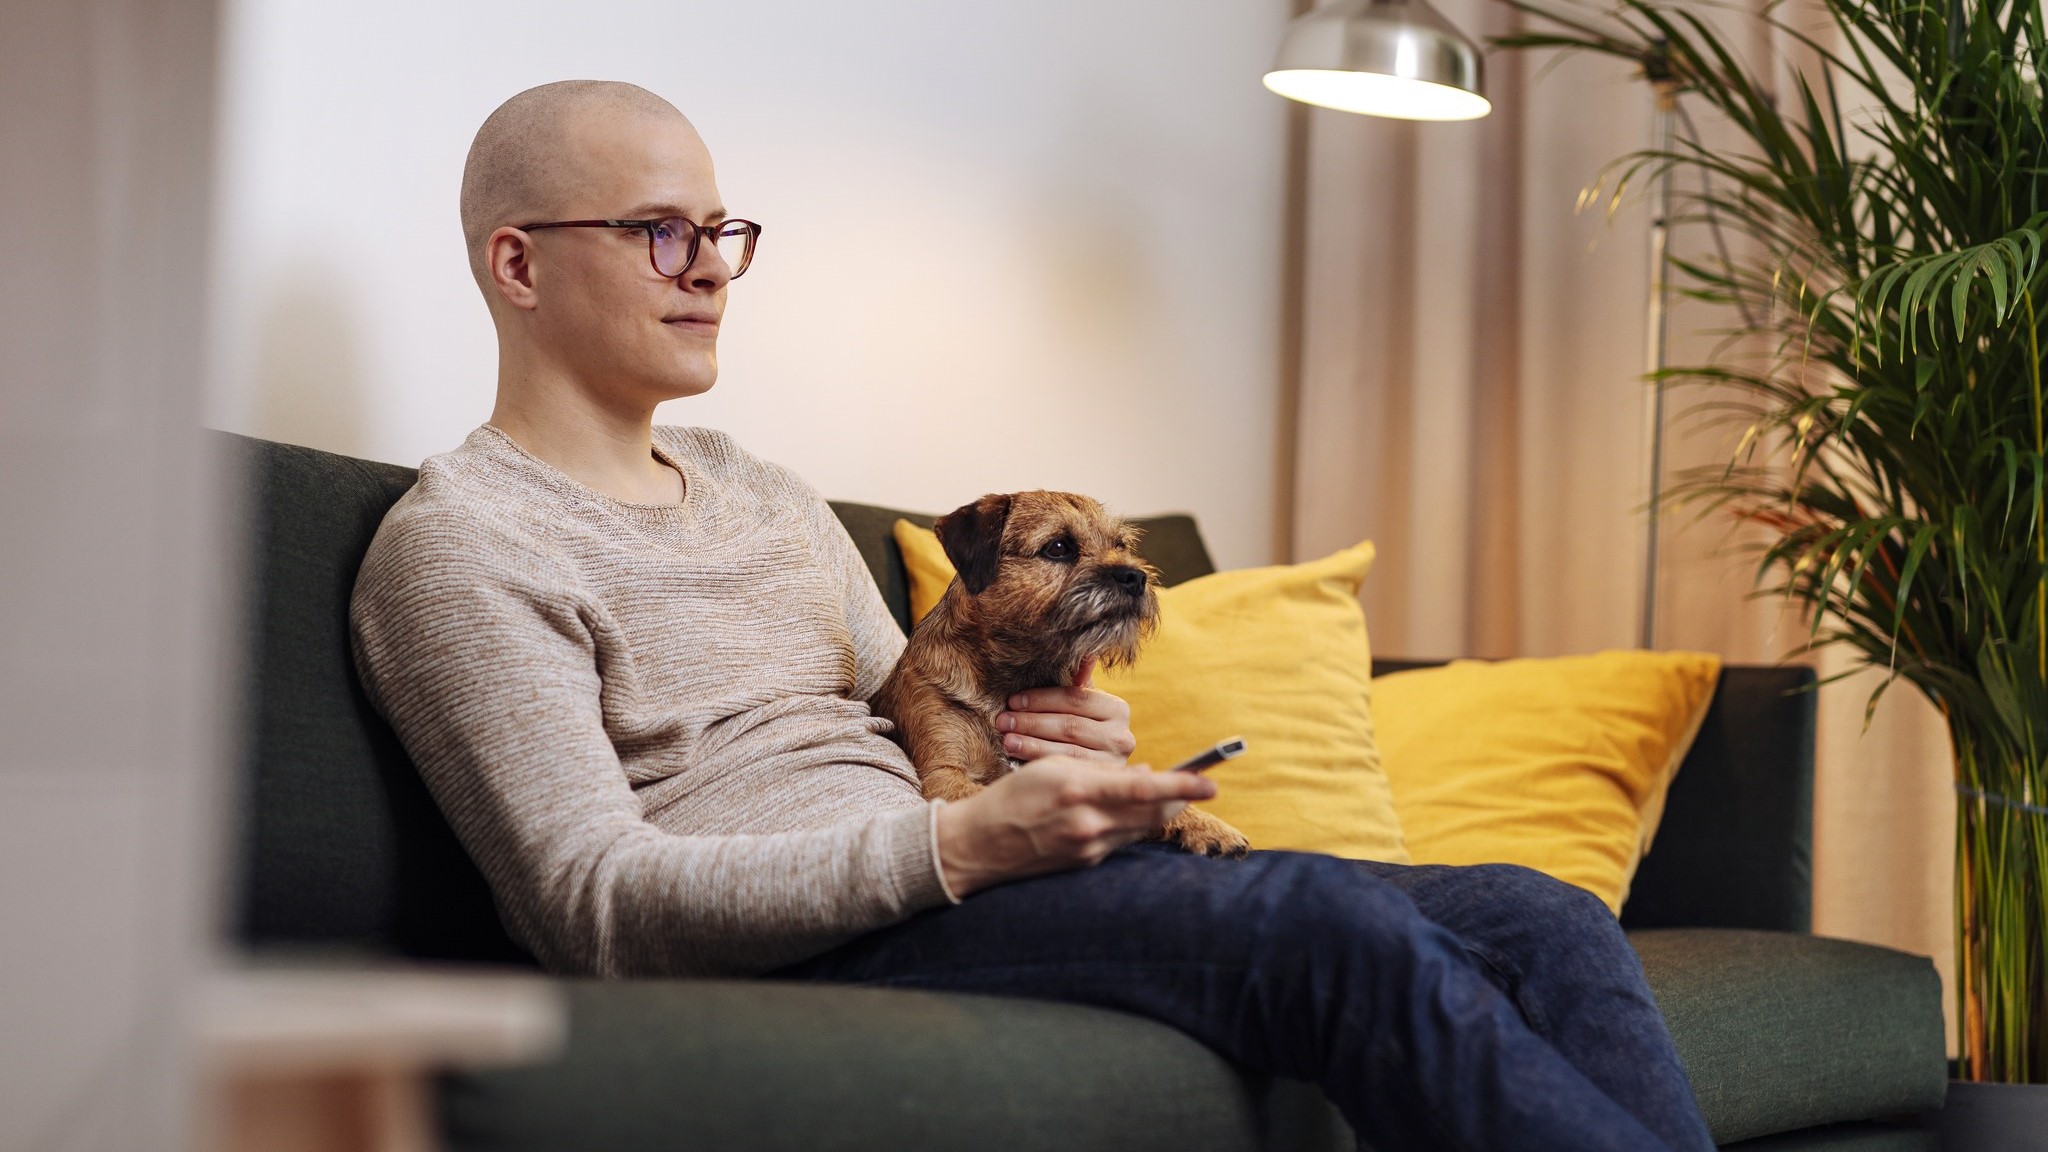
(657, 211)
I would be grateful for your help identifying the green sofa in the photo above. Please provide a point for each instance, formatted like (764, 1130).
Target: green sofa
(1792, 1041)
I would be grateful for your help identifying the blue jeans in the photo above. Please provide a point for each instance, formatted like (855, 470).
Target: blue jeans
(1473, 1008)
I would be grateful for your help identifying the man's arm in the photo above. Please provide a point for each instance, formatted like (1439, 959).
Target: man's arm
(1056, 813)
(491, 681)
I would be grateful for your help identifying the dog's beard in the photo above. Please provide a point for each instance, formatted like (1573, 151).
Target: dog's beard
(1105, 623)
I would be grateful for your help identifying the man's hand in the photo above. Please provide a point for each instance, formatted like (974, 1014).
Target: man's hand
(1055, 813)
(1081, 721)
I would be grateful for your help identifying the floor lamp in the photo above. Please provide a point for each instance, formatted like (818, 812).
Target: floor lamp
(1664, 129)
(1402, 59)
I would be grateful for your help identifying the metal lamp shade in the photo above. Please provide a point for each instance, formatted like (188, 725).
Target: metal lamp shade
(1396, 58)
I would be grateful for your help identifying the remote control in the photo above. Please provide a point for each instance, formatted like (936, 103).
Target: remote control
(1224, 750)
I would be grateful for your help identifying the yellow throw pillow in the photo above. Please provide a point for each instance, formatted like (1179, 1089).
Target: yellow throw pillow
(1561, 765)
(926, 562)
(1277, 655)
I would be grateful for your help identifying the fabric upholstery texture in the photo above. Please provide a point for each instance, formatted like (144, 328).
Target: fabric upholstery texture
(1735, 849)
(340, 845)
(1778, 1032)
(705, 1064)
(1906, 1135)
(1560, 764)
(1781, 1031)
(1277, 655)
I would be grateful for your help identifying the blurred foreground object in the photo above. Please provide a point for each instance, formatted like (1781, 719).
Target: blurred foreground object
(338, 1060)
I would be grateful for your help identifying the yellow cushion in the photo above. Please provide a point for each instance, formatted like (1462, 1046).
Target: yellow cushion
(927, 564)
(1277, 655)
(1561, 765)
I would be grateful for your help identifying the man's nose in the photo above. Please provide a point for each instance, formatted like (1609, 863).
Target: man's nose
(707, 273)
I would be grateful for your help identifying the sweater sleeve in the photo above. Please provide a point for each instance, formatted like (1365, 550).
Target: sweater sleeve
(490, 676)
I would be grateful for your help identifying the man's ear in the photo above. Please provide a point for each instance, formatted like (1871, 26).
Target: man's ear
(508, 265)
(972, 536)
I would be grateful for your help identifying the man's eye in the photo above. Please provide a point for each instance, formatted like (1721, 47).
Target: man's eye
(664, 232)
(1061, 549)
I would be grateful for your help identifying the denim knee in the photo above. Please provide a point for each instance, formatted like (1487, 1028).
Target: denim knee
(1543, 897)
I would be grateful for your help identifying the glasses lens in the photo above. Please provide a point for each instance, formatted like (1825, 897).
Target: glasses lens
(736, 245)
(671, 242)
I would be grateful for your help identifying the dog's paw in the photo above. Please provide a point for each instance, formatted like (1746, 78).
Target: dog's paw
(948, 784)
(1205, 835)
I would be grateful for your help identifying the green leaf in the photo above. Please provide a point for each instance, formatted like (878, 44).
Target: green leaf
(1922, 541)
(1959, 296)
(2012, 476)
(1876, 694)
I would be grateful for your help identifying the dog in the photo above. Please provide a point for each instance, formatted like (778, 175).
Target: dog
(1048, 583)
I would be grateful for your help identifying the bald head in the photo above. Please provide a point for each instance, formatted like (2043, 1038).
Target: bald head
(525, 166)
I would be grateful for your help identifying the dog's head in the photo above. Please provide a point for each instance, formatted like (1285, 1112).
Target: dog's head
(1052, 575)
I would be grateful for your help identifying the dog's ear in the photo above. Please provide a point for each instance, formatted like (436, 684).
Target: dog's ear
(972, 536)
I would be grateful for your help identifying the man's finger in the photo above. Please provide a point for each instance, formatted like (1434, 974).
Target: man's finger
(1126, 788)
(1028, 748)
(1063, 728)
(1084, 676)
(1143, 819)
(1129, 836)
(1078, 701)
(1031, 748)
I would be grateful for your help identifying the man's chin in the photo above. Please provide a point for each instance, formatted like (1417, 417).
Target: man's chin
(695, 381)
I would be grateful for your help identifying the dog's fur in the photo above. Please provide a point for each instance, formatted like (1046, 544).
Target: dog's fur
(1047, 582)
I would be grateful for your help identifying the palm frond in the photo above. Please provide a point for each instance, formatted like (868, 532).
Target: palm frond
(1883, 389)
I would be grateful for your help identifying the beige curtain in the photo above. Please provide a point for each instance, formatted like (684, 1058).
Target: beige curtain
(1469, 396)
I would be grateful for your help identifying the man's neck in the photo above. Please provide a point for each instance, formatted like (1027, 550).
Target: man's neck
(610, 451)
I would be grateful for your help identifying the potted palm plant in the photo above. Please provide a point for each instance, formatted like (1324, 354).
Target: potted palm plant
(1892, 198)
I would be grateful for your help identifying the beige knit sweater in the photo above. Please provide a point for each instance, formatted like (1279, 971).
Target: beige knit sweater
(648, 723)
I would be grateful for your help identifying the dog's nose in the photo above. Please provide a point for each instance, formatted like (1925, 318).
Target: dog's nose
(1132, 580)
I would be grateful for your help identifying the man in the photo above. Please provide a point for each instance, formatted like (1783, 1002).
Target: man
(632, 664)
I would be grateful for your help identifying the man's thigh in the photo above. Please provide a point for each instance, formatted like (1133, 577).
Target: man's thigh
(1150, 912)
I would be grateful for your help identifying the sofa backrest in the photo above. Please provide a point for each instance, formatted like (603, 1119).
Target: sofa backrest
(341, 846)
(1735, 849)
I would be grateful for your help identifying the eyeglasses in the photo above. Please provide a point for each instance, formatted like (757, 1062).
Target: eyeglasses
(672, 241)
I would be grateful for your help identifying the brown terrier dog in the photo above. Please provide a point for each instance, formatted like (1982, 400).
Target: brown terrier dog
(1049, 582)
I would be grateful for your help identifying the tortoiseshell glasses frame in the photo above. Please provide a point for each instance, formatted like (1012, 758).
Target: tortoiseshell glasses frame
(666, 237)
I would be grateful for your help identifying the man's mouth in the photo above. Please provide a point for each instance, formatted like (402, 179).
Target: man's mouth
(701, 322)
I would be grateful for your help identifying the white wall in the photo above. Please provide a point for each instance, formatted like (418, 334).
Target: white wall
(1008, 244)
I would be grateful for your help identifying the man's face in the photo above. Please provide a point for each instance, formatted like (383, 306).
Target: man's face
(605, 315)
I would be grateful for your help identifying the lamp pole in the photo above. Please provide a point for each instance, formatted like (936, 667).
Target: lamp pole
(1657, 325)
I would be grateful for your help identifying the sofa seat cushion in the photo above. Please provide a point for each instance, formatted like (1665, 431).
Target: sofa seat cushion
(769, 1065)
(1781, 1031)
(1778, 1032)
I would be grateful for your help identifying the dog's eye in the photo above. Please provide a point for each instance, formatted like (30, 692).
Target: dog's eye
(1060, 549)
